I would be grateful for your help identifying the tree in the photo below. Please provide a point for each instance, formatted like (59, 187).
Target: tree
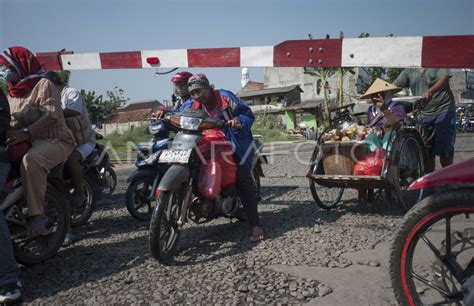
(98, 108)
(64, 75)
(323, 74)
(342, 72)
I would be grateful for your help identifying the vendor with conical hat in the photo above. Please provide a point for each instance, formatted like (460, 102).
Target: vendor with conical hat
(384, 113)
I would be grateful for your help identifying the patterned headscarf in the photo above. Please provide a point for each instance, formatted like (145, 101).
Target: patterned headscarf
(26, 65)
(198, 81)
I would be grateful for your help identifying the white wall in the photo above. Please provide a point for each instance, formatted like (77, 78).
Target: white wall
(287, 76)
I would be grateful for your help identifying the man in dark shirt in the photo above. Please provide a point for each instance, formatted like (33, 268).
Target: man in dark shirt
(10, 285)
(433, 84)
(4, 124)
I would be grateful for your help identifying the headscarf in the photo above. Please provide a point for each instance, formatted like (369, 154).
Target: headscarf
(198, 81)
(26, 65)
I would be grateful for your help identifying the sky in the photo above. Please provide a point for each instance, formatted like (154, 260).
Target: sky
(127, 25)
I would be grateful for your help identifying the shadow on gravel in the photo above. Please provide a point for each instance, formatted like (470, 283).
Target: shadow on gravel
(271, 192)
(78, 265)
(106, 227)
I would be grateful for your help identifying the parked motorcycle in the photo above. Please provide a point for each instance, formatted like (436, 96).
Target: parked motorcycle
(432, 256)
(144, 180)
(98, 179)
(182, 193)
(57, 210)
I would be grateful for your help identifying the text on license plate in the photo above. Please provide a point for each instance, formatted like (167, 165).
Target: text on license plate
(175, 156)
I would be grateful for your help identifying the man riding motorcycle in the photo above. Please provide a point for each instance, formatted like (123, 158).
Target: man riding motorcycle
(225, 105)
(180, 83)
(77, 119)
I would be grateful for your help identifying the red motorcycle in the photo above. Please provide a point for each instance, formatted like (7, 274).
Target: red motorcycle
(199, 184)
(432, 257)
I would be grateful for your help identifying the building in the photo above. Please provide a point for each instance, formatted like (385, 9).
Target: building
(130, 116)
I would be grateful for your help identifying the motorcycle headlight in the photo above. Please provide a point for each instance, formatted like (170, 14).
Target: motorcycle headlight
(152, 158)
(189, 123)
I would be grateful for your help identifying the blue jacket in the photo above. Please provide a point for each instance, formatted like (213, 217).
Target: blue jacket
(241, 139)
(186, 104)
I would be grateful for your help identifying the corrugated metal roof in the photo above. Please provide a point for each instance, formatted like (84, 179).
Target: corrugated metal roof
(267, 91)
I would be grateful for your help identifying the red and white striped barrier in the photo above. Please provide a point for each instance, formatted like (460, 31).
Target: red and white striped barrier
(427, 51)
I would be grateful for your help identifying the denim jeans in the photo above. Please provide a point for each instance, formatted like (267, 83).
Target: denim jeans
(8, 269)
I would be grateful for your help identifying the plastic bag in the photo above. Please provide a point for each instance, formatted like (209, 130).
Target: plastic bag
(209, 183)
(214, 146)
(371, 164)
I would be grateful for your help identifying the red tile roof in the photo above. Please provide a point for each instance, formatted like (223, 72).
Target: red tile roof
(253, 86)
(138, 111)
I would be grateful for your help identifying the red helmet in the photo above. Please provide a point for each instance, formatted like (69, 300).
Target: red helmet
(182, 76)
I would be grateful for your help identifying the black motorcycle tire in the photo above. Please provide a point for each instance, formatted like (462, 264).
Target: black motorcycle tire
(130, 198)
(414, 224)
(55, 203)
(109, 189)
(88, 206)
(158, 220)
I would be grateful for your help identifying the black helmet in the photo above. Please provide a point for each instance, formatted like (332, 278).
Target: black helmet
(54, 77)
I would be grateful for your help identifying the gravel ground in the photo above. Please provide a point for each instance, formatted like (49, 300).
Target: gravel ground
(216, 263)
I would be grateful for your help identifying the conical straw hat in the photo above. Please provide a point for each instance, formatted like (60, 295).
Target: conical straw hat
(380, 86)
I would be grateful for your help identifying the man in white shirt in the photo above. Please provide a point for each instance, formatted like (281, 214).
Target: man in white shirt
(73, 105)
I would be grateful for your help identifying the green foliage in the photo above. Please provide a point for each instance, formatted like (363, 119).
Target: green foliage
(64, 75)
(3, 87)
(120, 141)
(99, 108)
(323, 74)
(263, 125)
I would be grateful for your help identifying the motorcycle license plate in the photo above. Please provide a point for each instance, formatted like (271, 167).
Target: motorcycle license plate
(175, 156)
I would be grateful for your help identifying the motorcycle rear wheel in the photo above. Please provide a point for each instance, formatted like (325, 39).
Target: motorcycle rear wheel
(81, 215)
(30, 251)
(164, 231)
(413, 230)
(110, 178)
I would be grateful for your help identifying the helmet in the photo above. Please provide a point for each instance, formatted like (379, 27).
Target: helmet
(54, 77)
(182, 76)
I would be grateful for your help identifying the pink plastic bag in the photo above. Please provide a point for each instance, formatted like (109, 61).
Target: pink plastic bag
(215, 145)
(371, 164)
(209, 183)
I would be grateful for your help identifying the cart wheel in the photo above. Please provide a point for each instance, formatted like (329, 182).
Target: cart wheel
(408, 166)
(325, 197)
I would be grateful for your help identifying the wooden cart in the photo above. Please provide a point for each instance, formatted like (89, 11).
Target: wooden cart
(404, 162)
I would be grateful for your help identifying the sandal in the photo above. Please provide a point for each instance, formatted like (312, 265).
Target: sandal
(257, 234)
(38, 227)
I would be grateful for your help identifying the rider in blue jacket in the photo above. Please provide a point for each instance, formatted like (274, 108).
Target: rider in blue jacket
(225, 105)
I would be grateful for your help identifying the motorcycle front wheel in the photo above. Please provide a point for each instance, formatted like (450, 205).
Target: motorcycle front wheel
(164, 231)
(437, 231)
(137, 198)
